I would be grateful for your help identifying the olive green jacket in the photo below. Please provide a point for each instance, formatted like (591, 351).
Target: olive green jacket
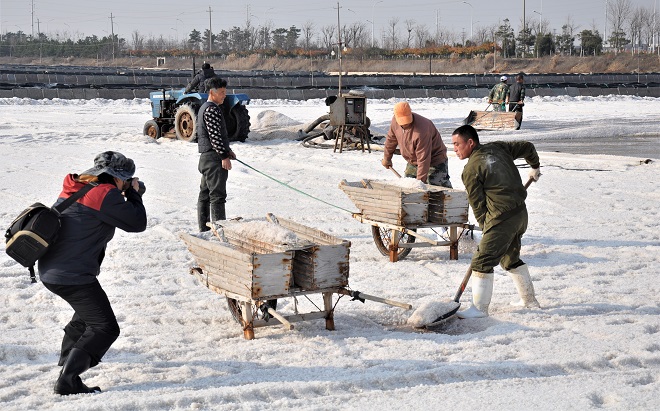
(492, 180)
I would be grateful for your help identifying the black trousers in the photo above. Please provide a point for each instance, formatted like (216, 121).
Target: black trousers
(212, 189)
(93, 327)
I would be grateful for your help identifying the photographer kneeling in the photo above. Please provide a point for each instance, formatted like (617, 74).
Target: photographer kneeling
(72, 264)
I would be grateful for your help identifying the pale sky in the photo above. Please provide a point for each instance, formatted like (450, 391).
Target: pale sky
(175, 19)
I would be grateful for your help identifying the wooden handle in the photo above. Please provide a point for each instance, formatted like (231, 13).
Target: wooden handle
(359, 295)
(461, 288)
(395, 172)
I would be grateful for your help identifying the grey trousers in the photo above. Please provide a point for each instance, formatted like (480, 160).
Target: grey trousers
(212, 189)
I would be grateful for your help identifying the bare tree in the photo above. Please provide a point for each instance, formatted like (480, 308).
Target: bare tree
(392, 33)
(422, 36)
(445, 37)
(410, 26)
(138, 40)
(650, 28)
(617, 14)
(307, 34)
(328, 37)
(358, 34)
(264, 36)
(482, 35)
(635, 26)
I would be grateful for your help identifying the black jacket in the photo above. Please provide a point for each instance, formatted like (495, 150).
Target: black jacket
(87, 227)
(200, 80)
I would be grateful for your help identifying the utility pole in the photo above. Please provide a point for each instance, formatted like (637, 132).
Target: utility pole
(437, 26)
(605, 30)
(32, 18)
(524, 48)
(40, 42)
(210, 32)
(112, 39)
(339, 47)
(373, 19)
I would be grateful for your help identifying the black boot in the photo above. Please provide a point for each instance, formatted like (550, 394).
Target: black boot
(203, 216)
(218, 212)
(69, 381)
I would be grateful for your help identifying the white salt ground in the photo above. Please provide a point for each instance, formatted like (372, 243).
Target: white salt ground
(592, 245)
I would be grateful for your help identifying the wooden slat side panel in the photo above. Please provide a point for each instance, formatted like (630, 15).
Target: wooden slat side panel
(213, 246)
(271, 274)
(252, 245)
(250, 275)
(331, 266)
(310, 234)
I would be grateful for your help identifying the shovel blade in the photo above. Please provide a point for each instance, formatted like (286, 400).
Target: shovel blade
(443, 318)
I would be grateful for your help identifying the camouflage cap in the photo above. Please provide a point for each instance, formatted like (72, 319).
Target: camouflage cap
(114, 164)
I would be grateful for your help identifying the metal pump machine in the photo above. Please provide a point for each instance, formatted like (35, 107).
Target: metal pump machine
(349, 111)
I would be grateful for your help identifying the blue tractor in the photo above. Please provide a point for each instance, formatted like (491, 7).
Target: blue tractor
(175, 115)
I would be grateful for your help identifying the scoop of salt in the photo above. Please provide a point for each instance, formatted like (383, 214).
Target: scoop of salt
(430, 311)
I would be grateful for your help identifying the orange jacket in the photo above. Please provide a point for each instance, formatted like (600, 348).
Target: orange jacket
(420, 145)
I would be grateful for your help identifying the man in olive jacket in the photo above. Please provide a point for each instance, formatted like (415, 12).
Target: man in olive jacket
(497, 197)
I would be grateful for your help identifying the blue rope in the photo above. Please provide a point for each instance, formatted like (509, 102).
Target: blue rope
(293, 188)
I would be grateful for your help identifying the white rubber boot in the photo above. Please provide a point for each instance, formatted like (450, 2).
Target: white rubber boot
(523, 282)
(482, 292)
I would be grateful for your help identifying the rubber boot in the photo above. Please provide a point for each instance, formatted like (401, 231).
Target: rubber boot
(218, 212)
(89, 389)
(69, 381)
(203, 216)
(482, 292)
(523, 282)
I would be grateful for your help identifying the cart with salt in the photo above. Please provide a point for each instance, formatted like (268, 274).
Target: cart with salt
(396, 209)
(253, 270)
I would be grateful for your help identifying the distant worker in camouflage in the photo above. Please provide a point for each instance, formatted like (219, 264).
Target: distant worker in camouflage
(499, 95)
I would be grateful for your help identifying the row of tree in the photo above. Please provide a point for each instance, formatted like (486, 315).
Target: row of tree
(635, 28)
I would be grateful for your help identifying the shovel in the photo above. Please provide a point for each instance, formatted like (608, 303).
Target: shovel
(461, 288)
(394, 171)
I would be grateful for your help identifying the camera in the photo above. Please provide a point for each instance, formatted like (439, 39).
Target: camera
(141, 187)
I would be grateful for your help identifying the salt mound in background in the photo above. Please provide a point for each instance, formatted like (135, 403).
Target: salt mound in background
(272, 125)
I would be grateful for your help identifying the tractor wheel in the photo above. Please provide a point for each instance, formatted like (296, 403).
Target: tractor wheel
(383, 239)
(185, 123)
(151, 129)
(238, 123)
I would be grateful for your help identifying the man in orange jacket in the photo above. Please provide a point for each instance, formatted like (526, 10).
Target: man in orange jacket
(420, 145)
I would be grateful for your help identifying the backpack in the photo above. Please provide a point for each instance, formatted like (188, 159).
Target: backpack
(35, 229)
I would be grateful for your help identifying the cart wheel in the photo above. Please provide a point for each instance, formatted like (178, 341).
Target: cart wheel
(235, 309)
(383, 238)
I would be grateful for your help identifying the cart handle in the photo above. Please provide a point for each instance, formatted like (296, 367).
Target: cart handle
(361, 297)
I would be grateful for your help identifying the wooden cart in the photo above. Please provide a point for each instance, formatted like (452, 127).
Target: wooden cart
(395, 214)
(253, 274)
